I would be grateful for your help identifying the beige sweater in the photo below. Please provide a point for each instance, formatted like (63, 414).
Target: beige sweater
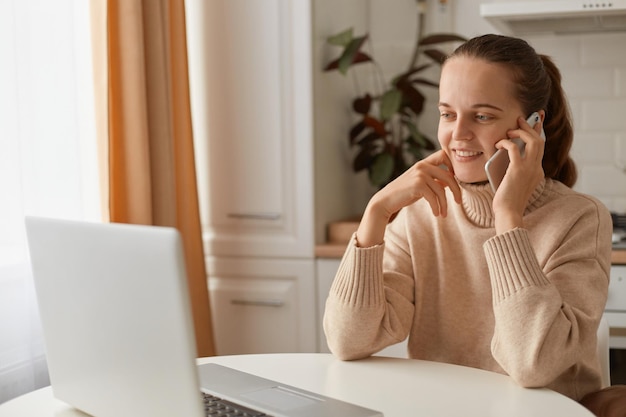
(526, 303)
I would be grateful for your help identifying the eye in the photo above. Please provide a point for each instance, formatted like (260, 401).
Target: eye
(483, 117)
(446, 115)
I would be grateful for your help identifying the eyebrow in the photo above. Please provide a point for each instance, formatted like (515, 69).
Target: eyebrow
(475, 106)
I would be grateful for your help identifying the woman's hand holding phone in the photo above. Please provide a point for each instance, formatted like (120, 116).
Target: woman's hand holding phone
(497, 165)
(521, 177)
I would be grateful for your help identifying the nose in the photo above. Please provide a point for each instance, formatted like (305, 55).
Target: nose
(462, 129)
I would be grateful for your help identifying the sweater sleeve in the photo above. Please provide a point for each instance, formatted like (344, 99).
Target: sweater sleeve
(365, 310)
(546, 316)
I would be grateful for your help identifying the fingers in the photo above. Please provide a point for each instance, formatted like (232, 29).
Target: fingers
(447, 177)
(432, 181)
(435, 195)
(426, 179)
(524, 127)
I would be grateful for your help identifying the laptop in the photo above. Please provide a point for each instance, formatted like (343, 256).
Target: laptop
(118, 329)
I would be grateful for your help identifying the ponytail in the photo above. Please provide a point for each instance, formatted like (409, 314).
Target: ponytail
(557, 163)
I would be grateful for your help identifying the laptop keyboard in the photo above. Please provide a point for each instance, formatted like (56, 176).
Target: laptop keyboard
(218, 407)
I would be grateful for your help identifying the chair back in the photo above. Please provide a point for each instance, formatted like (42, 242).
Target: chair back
(603, 351)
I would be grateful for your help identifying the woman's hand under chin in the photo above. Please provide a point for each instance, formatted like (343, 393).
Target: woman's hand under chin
(425, 179)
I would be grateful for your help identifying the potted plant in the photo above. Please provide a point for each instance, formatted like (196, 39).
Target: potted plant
(387, 132)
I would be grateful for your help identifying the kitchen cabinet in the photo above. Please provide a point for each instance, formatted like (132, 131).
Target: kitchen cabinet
(251, 90)
(616, 307)
(250, 65)
(262, 305)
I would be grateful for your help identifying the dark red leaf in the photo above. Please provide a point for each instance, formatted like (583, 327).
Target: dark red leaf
(441, 38)
(424, 81)
(359, 58)
(368, 139)
(405, 76)
(362, 105)
(364, 158)
(333, 65)
(436, 55)
(376, 125)
(412, 98)
(356, 130)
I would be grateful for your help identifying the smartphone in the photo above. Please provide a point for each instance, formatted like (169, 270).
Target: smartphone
(496, 165)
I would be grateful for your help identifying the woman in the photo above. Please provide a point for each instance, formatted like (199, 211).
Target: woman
(513, 281)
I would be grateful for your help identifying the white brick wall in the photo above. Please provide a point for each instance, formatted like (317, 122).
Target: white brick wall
(594, 70)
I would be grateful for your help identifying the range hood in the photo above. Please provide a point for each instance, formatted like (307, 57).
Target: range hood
(556, 16)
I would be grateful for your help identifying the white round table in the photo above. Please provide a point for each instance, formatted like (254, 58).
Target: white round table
(397, 387)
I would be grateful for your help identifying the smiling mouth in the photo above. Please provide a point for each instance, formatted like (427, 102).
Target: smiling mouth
(467, 154)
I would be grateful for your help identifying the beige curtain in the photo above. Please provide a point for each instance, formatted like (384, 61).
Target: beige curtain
(144, 118)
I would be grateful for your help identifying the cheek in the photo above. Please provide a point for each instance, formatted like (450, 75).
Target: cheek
(444, 136)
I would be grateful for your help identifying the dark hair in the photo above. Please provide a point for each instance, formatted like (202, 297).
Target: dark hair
(538, 82)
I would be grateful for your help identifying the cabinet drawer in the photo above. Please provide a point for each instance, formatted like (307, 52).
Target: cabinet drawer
(616, 300)
(254, 315)
(262, 306)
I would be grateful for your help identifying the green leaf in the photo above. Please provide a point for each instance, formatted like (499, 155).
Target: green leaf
(390, 103)
(350, 53)
(341, 39)
(430, 144)
(414, 150)
(381, 169)
(415, 134)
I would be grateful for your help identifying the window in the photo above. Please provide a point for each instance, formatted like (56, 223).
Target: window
(48, 162)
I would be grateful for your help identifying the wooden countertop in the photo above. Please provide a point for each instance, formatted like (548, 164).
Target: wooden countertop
(618, 257)
(330, 250)
(336, 250)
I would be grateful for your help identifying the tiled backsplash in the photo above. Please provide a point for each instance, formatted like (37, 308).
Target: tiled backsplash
(594, 78)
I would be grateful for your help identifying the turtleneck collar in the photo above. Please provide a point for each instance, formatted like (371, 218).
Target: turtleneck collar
(478, 199)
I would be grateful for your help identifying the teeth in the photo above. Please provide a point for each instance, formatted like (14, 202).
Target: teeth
(467, 153)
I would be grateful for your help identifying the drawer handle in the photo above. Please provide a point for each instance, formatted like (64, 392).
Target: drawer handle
(255, 216)
(258, 303)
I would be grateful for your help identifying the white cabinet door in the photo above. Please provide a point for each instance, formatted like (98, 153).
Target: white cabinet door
(251, 91)
(262, 306)
(326, 270)
(615, 311)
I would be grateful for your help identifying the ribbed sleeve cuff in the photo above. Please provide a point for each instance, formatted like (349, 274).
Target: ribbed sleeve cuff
(512, 264)
(359, 280)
